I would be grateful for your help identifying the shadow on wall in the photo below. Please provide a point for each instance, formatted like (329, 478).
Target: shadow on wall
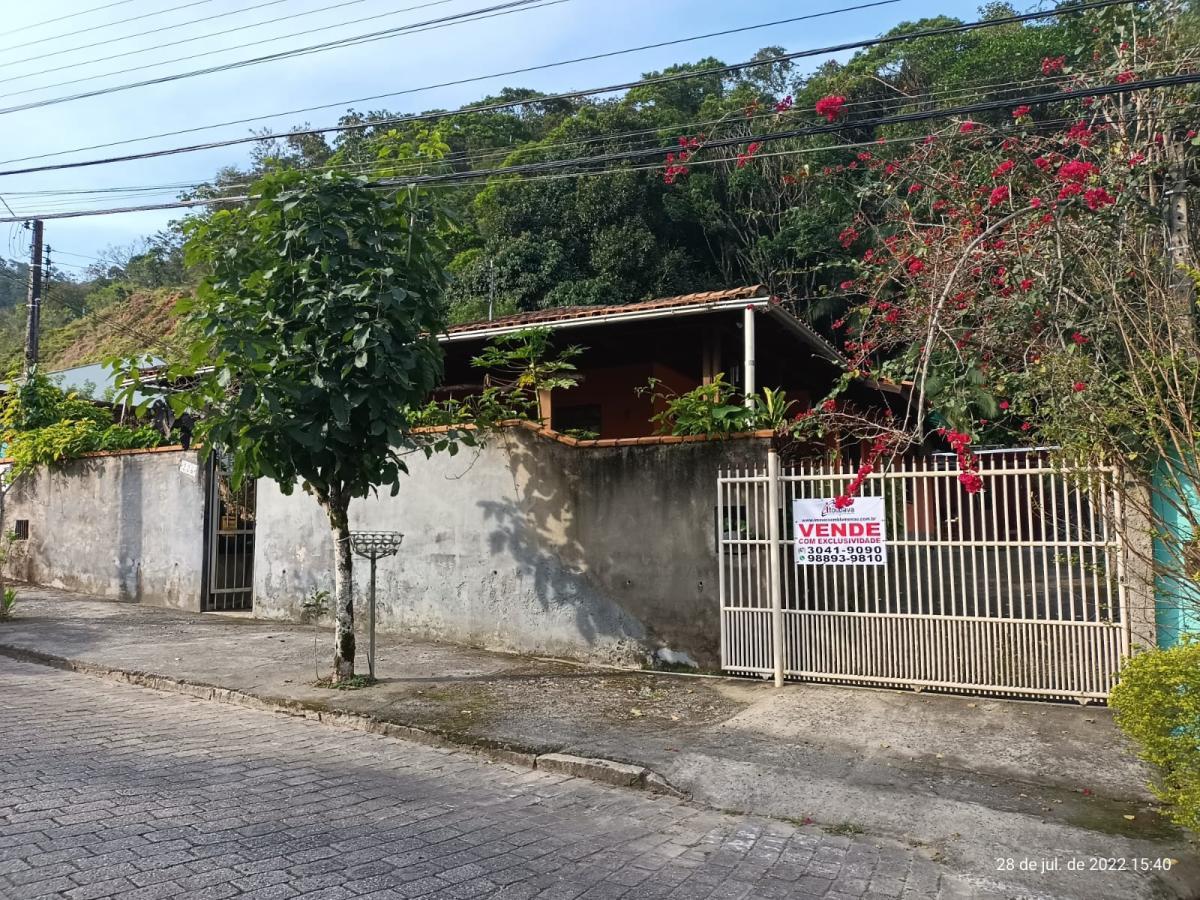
(536, 528)
(130, 505)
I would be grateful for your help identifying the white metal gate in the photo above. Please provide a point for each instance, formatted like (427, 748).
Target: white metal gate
(1017, 590)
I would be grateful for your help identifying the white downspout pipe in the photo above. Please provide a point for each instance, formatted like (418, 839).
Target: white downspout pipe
(749, 385)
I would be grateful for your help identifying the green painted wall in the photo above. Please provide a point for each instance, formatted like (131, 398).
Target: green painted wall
(1177, 601)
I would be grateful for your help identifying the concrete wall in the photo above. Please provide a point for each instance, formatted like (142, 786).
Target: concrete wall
(528, 545)
(126, 526)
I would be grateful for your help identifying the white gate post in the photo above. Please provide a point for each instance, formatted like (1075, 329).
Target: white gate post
(773, 568)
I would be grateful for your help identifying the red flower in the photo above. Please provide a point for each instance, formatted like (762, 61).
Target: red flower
(1003, 169)
(1021, 111)
(1027, 284)
(1070, 190)
(847, 285)
(1137, 159)
(1126, 77)
(1098, 198)
(915, 188)
(967, 127)
(971, 482)
(1042, 163)
(1036, 202)
(915, 266)
(1080, 133)
(744, 158)
(1080, 339)
(998, 195)
(847, 237)
(1079, 386)
(1053, 64)
(784, 105)
(1026, 426)
(843, 502)
(831, 107)
(1077, 170)
(1004, 404)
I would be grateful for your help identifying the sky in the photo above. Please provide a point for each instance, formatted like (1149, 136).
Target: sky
(72, 38)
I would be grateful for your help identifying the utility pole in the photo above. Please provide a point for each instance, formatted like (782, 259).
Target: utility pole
(34, 305)
(1179, 255)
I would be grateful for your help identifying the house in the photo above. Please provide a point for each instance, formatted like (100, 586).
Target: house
(536, 542)
(753, 339)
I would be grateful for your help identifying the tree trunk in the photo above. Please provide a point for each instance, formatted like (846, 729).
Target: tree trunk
(343, 590)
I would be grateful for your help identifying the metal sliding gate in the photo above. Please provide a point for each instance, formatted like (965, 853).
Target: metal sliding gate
(229, 543)
(1016, 590)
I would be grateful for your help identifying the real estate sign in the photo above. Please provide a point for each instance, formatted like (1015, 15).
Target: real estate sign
(828, 536)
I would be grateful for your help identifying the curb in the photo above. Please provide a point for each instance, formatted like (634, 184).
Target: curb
(598, 769)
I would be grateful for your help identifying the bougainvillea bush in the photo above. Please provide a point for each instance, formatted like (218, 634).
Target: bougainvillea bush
(1027, 273)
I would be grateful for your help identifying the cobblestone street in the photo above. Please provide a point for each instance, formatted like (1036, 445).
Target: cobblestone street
(117, 791)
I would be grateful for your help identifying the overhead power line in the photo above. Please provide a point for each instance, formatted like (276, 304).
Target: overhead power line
(575, 95)
(90, 28)
(64, 196)
(138, 34)
(219, 50)
(67, 197)
(965, 110)
(82, 12)
(475, 15)
(522, 71)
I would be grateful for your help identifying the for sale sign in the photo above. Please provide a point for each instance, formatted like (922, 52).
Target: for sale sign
(828, 536)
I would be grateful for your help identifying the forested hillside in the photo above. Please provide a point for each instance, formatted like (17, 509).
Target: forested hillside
(591, 232)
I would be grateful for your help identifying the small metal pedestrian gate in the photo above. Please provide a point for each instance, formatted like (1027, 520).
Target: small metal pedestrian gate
(1016, 590)
(229, 539)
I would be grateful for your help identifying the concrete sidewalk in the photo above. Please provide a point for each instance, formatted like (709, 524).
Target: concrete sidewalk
(972, 781)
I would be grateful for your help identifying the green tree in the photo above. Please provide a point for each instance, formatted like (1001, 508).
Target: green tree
(318, 320)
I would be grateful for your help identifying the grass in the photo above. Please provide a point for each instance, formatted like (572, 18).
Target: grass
(356, 683)
(845, 829)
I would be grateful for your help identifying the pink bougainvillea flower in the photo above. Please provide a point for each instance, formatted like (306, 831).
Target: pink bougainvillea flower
(1080, 339)
(847, 237)
(1079, 387)
(1126, 77)
(1026, 284)
(1036, 202)
(1004, 404)
(967, 127)
(831, 107)
(847, 285)
(1021, 111)
(1026, 426)
(915, 266)
(784, 105)
(998, 195)
(1003, 169)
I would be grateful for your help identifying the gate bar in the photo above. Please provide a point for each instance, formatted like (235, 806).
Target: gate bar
(773, 567)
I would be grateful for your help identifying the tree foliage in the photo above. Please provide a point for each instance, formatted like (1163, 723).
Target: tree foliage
(42, 425)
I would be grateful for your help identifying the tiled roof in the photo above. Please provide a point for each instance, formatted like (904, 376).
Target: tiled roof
(567, 313)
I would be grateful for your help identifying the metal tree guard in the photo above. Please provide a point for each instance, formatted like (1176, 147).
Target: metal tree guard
(374, 545)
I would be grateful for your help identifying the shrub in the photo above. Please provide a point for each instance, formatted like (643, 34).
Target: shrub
(1157, 704)
(42, 425)
(8, 601)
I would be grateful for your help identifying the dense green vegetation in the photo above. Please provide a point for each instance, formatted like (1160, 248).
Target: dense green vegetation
(620, 231)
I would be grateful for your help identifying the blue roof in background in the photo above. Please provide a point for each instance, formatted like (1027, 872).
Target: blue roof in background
(94, 381)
